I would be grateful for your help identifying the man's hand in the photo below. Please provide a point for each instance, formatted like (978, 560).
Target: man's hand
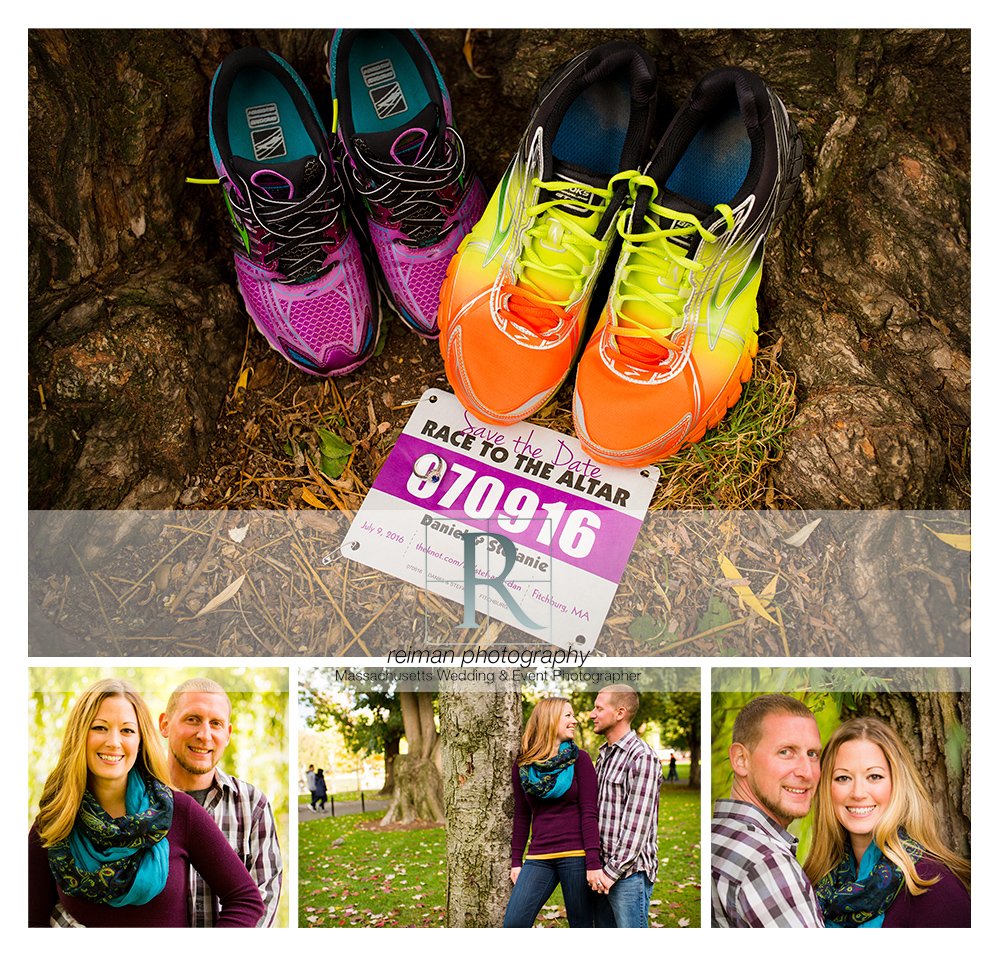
(599, 882)
(514, 872)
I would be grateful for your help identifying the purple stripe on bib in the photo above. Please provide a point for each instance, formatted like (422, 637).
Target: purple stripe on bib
(614, 534)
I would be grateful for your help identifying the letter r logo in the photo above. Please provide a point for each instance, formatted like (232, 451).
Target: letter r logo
(497, 583)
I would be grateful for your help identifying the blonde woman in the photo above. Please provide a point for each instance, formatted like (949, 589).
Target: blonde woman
(876, 859)
(113, 843)
(555, 799)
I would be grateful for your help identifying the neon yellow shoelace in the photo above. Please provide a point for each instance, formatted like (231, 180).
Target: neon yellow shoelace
(557, 255)
(657, 274)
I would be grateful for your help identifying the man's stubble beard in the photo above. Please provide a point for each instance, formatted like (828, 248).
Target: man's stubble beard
(776, 809)
(193, 769)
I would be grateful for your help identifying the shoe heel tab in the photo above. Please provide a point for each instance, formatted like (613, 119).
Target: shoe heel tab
(609, 58)
(750, 89)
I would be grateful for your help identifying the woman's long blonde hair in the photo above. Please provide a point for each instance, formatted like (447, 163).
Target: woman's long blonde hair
(67, 782)
(909, 807)
(541, 739)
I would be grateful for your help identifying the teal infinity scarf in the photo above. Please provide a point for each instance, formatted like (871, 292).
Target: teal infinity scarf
(117, 861)
(848, 902)
(551, 778)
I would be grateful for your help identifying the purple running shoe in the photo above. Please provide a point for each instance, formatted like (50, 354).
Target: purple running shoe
(406, 163)
(300, 269)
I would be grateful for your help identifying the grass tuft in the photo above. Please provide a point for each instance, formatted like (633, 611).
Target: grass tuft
(728, 468)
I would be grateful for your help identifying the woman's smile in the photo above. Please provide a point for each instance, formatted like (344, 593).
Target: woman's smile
(111, 759)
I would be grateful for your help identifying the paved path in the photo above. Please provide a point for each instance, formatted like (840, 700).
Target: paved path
(306, 814)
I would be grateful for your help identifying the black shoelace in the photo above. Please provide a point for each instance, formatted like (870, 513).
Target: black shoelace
(414, 192)
(292, 240)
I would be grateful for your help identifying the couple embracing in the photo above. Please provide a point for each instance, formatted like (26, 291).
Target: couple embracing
(128, 835)
(875, 859)
(592, 828)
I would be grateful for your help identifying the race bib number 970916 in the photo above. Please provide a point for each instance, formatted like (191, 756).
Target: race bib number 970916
(515, 523)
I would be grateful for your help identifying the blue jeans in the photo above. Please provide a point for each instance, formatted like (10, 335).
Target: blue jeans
(537, 881)
(626, 905)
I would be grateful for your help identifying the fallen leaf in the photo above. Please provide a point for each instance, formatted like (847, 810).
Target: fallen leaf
(224, 596)
(716, 615)
(245, 373)
(467, 50)
(334, 452)
(645, 627)
(309, 498)
(743, 591)
(963, 543)
(767, 593)
(804, 533)
(239, 534)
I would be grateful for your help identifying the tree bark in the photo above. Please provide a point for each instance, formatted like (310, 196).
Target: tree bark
(416, 792)
(389, 759)
(480, 733)
(935, 727)
(136, 329)
(694, 774)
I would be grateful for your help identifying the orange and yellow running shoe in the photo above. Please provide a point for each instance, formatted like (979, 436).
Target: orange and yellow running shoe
(514, 302)
(677, 338)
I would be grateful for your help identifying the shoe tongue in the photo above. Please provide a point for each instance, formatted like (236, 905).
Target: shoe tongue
(409, 142)
(578, 191)
(281, 181)
(648, 350)
(681, 204)
(550, 249)
(418, 142)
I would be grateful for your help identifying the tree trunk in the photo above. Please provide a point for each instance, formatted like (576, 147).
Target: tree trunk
(389, 760)
(694, 774)
(481, 734)
(897, 590)
(135, 330)
(418, 723)
(417, 790)
(935, 727)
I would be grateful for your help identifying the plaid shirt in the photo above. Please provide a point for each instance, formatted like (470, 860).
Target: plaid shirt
(628, 803)
(244, 815)
(62, 918)
(756, 880)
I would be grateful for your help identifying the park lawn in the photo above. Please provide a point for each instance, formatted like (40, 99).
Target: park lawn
(678, 884)
(370, 879)
(397, 878)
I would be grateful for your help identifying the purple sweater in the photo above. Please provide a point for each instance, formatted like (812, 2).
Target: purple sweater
(563, 825)
(944, 905)
(195, 842)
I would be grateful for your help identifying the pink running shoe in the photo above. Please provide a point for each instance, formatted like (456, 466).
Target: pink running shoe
(406, 163)
(300, 269)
